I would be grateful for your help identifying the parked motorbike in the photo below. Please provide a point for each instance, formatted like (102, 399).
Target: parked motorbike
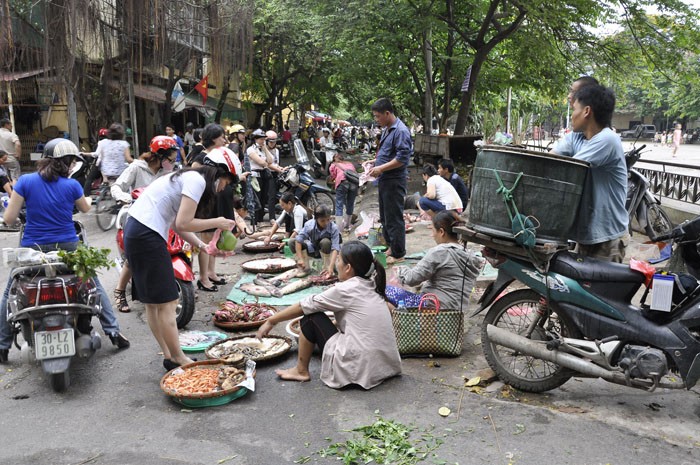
(285, 148)
(53, 309)
(182, 265)
(577, 318)
(297, 179)
(642, 205)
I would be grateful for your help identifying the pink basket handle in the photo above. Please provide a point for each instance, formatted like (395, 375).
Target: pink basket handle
(429, 298)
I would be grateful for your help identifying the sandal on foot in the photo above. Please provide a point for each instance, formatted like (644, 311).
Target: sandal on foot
(120, 298)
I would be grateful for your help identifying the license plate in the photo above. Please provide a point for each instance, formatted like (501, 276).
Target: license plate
(54, 344)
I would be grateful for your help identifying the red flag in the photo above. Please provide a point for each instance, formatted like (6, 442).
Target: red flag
(203, 88)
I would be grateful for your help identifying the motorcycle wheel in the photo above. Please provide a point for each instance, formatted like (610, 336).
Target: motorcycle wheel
(658, 221)
(514, 312)
(185, 305)
(60, 381)
(106, 210)
(321, 198)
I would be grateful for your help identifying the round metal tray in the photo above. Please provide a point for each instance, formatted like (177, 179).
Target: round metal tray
(255, 359)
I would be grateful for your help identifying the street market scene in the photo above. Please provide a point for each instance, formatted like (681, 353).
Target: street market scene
(349, 232)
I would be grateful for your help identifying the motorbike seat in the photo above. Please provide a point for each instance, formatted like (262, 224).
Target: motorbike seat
(591, 269)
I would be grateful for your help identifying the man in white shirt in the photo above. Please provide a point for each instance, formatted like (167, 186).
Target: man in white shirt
(9, 142)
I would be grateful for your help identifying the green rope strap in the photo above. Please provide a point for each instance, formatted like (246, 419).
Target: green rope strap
(523, 228)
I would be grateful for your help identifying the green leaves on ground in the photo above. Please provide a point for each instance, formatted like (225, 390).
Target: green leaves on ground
(383, 442)
(86, 260)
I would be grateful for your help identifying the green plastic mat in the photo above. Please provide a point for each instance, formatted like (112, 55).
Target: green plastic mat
(238, 296)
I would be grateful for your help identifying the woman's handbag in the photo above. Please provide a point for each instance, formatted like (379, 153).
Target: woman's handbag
(352, 177)
(428, 330)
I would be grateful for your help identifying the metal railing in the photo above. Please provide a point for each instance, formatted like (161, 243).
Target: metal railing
(683, 187)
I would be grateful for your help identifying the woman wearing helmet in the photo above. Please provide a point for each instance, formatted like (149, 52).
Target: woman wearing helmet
(275, 170)
(237, 141)
(262, 164)
(150, 165)
(49, 196)
(182, 200)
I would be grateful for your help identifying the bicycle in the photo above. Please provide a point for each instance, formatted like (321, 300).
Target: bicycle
(106, 208)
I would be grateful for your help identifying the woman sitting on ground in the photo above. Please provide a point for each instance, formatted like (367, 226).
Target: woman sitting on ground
(362, 348)
(293, 217)
(439, 195)
(447, 270)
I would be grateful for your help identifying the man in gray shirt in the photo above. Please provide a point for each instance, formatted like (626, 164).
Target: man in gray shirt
(9, 142)
(601, 227)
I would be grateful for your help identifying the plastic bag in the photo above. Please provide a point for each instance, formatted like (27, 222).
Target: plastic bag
(213, 250)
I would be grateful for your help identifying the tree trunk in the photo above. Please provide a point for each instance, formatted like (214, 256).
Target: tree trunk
(428, 96)
(225, 89)
(468, 96)
(72, 115)
(168, 108)
(447, 72)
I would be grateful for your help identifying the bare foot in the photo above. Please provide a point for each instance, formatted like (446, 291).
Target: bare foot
(293, 374)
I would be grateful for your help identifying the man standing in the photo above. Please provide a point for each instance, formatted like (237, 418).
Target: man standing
(170, 132)
(9, 142)
(601, 227)
(391, 168)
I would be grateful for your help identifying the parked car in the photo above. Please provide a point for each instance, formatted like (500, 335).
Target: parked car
(641, 131)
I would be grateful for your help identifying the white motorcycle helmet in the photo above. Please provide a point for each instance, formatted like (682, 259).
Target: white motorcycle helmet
(225, 161)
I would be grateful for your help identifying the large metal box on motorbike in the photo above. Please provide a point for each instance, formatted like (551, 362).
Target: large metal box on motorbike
(549, 190)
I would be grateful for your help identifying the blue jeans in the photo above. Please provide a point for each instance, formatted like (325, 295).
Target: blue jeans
(430, 204)
(108, 319)
(345, 198)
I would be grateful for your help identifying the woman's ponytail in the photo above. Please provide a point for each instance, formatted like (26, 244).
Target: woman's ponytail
(379, 278)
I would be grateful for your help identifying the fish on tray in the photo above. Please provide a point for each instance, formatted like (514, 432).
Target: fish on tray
(278, 280)
(296, 286)
(256, 290)
(266, 284)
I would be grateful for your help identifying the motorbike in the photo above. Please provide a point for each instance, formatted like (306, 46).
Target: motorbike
(53, 309)
(642, 205)
(80, 171)
(297, 179)
(285, 148)
(326, 156)
(576, 317)
(182, 265)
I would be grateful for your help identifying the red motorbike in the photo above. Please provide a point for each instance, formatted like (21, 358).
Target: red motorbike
(182, 265)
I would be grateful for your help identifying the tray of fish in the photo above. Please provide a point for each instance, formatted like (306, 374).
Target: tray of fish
(257, 350)
(269, 265)
(261, 247)
(197, 341)
(233, 316)
(208, 383)
(277, 286)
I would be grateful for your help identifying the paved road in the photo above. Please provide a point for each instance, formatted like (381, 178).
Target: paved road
(115, 413)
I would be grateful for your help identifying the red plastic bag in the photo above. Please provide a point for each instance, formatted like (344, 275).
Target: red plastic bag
(645, 268)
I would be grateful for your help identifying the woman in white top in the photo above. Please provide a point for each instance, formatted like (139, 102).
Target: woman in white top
(361, 348)
(262, 162)
(113, 153)
(178, 200)
(439, 195)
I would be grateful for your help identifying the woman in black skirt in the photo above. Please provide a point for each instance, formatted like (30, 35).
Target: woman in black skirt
(180, 199)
